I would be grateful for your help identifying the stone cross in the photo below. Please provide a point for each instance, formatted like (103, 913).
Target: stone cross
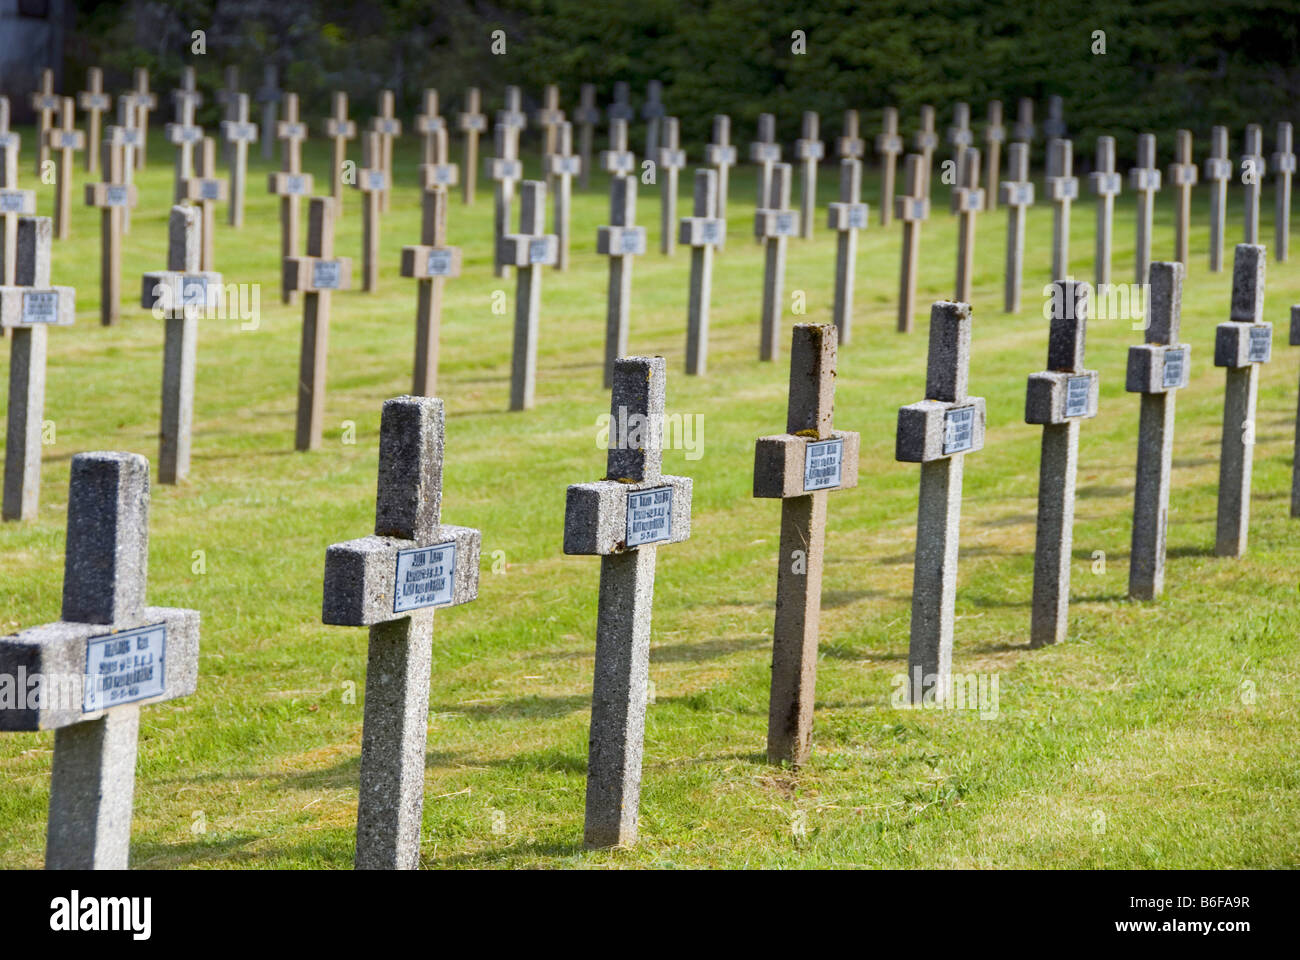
(14, 202)
(1017, 194)
(228, 97)
(107, 656)
(1156, 369)
(1024, 130)
(1145, 180)
(959, 134)
(652, 111)
(1218, 171)
(618, 160)
(182, 294)
(561, 167)
(340, 130)
(799, 468)
(1059, 398)
(774, 224)
(808, 150)
(889, 144)
(671, 161)
(913, 208)
(95, 102)
(721, 156)
(65, 139)
(430, 263)
(472, 122)
(206, 190)
(290, 183)
(937, 432)
(1295, 466)
(504, 169)
(1054, 125)
(429, 124)
(269, 98)
(531, 249)
(621, 240)
(46, 103)
(393, 582)
(1240, 345)
(1182, 174)
(513, 115)
(144, 101)
(183, 135)
(850, 145)
(113, 196)
(239, 133)
(1283, 168)
(188, 91)
(128, 134)
(927, 141)
(28, 308)
(622, 519)
(1106, 184)
(621, 107)
(438, 174)
(372, 181)
(846, 218)
(765, 152)
(1062, 190)
(549, 118)
(587, 116)
(388, 127)
(702, 232)
(1253, 159)
(967, 202)
(317, 275)
(994, 135)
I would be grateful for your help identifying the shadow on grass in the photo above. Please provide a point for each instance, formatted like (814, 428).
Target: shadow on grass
(485, 858)
(1097, 491)
(841, 651)
(533, 706)
(546, 761)
(705, 650)
(1011, 520)
(1197, 551)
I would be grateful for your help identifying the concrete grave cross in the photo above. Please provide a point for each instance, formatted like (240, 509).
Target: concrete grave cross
(389, 128)
(228, 97)
(108, 655)
(621, 240)
(623, 519)
(959, 134)
(720, 154)
(849, 144)
(187, 92)
(1182, 174)
(1059, 398)
(652, 111)
(561, 167)
(372, 181)
(530, 250)
(128, 134)
(621, 107)
(808, 150)
(10, 142)
(206, 190)
(438, 173)
(183, 135)
(702, 232)
(1017, 195)
(430, 264)
(505, 170)
(671, 159)
(1157, 369)
(239, 133)
(113, 196)
(429, 124)
(513, 115)
(889, 145)
(181, 294)
(340, 130)
(1062, 190)
(846, 218)
(14, 202)
(1024, 130)
(549, 117)
(64, 139)
(937, 433)
(1106, 184)
(913, 208)
(1283, 170)
(290, 184)
(1295, 467)
(46, 103)
(618, 160)
(765, 151)
(1241, 345)
(994, 136)
(144, 101)
(269, 97)
(587, 116)
(1218, 171)
(926, 142)
(393, 582)
(967, 202)
(94, 102)
(29, 306)
(774, 224)
(1145, 180)
(317, 275)
(472, 122)
(800, 467)
(1054, 125)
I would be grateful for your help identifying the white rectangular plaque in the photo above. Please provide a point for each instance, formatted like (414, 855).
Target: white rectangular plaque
(1076, 395)
(325, 274)
(822, 463)
(425, 576)
(1175, 369)
(649, 516)
(958, 430)
(439, 263)
(1261, 344)
(40, 306)
(125, 667)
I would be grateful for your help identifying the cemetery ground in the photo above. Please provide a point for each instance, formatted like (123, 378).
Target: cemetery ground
(1160, 735)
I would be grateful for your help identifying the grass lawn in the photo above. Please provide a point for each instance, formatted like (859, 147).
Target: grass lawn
(1160, 735)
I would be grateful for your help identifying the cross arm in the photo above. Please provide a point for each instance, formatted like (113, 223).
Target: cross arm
(1157, 367)
(376, 579)
(314, 274)
(791, 465)
(596, 515)
(37, 306)
(204, 188)
(423, 262)
(289, 184)
(434, 175)
(169, 289)
(1055, 396)
(17, 201)
(935, 429)
(111, 195)
(526, 250)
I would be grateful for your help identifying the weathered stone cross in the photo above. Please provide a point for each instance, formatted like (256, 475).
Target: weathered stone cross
(388, 127)
(472, 122)
(671, 161)
(959, 134)
(65, 139)
(206, 190)
(721, 156)
(800, 467)
(340, 130)
(1145, 180)
(1218, 171)
(913, 208)
(228, 97)
(967, 202)
(183, 134)
(652, 111)
(290, 183)
(622, 519)
(846, 218)
(621, 107)
(994, 135)
(429, 124)
(1017, 194)
(505, 169)
(28, 307)
(1062, 190)
(808, 150)
(1059, 398)
(95, 102)
(240, 133)
(1156, 370)
(926, 142)
(702, 232)
(586, 116)
(890, 145)
(774, 224)
(393, 582)
(1024, 130)
(1106, 184)
(129, 135)
(531, 249)
(269, 98)
(1295, 465)
(144, 102)
(850, 145)
(113, 196)
(561, 167)
(1182, 174)
(1054, 125)
(549, 117)
(1284, 169)
(14, 202)
(372, 181)
(46, 103)
(430, 263)
(618, 160)
(765, 152)
(621, 240)
(106, 657)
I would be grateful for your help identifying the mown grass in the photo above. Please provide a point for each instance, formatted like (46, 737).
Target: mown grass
(1160, 735)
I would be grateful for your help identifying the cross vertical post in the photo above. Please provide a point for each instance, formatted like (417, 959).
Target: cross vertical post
(113, 196)
(240, 133)
(1145, 178)
(889, 144)
(994, 136)
(671, 161)
(529, 250)
(1283, 169)
(621, 240)
(721, 156)
(472, 122)
(1182, 174)
(269, 98)
(926, 142)
(1017, 195)
(46, 103)
(431, 263)
(505, 169)
(1106, 184)
(808, 150)
(388, 127)
(967, 202)
(65, 139)
(561, 167)
(765, 152)
(340, 130)
(1252, 162)
(846, 218)
(774, 224)
(586, 117)
(290, 184)
(372, 181)
(95, 102)
(702, 232)
(143, 102)
(1063, 190)
(1218, 170)
(913, 208)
